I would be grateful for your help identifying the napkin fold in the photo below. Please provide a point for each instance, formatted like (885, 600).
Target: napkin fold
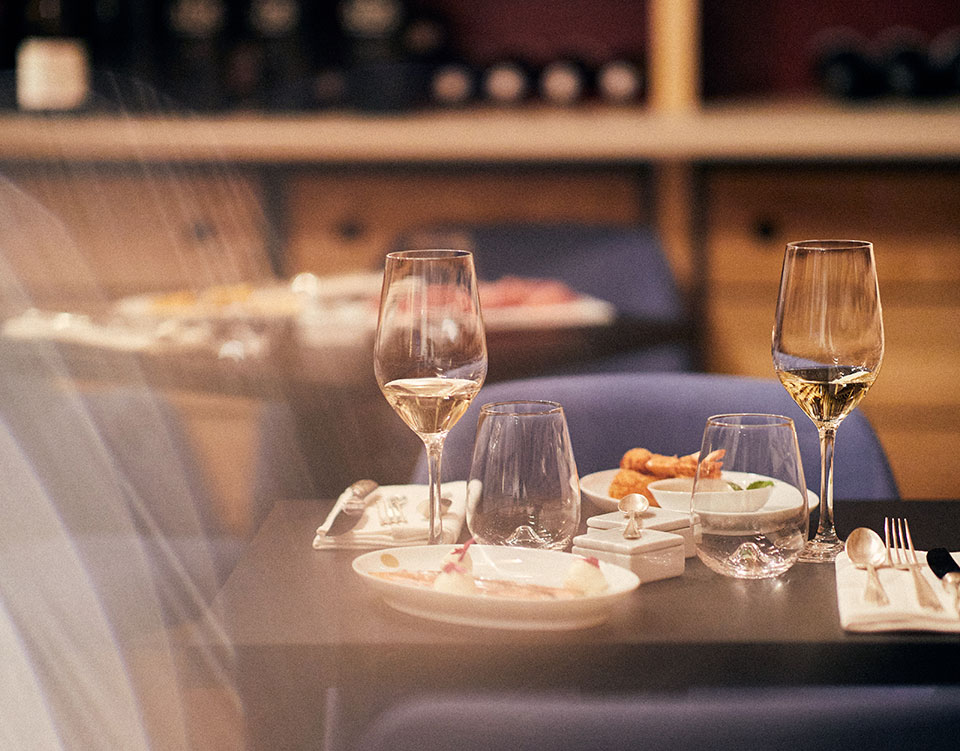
(371, 532)
(903, 613)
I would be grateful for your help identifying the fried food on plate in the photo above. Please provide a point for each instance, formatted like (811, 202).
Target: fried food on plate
(640, 466)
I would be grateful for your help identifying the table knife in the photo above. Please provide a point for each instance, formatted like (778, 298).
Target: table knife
(352, 503)
(947, 570)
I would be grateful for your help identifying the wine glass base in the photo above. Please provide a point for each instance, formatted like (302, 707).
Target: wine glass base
(820, 551)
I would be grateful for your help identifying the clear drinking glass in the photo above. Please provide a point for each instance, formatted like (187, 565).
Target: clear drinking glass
(750, 496)
(827, 349)
(524, 489)
(430, 356)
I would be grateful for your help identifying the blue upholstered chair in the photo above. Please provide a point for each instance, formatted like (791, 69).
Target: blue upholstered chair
(623, 265)
(666, 412)
(867, 718)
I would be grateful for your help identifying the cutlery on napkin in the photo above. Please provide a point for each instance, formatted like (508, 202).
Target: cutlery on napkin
(903, 613)
(349, 508)
(372, 531)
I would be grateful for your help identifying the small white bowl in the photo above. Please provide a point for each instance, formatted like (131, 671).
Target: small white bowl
(674, 493)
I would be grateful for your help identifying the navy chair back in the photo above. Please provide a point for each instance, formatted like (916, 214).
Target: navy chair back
(871, 718)
(666, 412)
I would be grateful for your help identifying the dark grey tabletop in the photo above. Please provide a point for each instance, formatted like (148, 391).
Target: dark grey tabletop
(299, 619)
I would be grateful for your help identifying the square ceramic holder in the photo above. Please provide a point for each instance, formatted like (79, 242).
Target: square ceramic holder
(653, 556)
(654, 518)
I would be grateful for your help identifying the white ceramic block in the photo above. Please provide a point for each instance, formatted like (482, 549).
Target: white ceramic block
(655, 555)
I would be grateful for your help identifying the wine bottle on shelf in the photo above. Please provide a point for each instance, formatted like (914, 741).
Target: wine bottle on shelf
(507, 82)
(944, 57)
(194, 65)
(52, 58)
(326, 56)
(453, 84)
(844, 66)
(380, 74)
(371, 29)
(619, 81)
(565, 81)
(425, 37)
(124, 53)
(904, 63)
(280, 59)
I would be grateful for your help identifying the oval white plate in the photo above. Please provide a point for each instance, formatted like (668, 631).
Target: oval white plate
(527, 565)
(595, 488)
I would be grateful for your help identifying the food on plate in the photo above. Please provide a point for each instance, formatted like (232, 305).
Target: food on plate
(461, 556)
(640, 466)
(514, 590)
(636, 459)
(514, 291)
(456, 579)
(584, 576)
(628, 481)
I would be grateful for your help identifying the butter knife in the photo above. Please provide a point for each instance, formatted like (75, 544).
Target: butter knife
(947, 570)
(352, 503)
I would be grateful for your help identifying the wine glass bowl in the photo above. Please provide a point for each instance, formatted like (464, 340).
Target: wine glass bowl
(827, 349)
(430, 353)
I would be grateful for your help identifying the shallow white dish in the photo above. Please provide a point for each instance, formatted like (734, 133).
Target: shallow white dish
(526, 565)
(674, 493)
(595, 488)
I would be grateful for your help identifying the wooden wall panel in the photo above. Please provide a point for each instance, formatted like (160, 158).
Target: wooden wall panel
(347, 221)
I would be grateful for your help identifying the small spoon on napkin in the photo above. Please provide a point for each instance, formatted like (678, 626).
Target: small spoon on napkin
(632, 505)
(866, 550)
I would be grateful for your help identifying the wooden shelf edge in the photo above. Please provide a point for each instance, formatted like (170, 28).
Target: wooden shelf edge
(590, 134)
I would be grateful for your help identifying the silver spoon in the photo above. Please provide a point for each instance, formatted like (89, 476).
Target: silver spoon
(866, 550)
(632, 505)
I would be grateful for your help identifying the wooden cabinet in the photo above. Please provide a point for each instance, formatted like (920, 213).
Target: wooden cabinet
(88, 233)
(346, 220)
(913, 217)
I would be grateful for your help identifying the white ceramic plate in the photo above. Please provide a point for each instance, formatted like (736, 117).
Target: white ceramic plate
(595, 488)
(527, 565)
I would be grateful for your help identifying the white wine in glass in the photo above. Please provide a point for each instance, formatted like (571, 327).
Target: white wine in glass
(430, 355)
(827, 349)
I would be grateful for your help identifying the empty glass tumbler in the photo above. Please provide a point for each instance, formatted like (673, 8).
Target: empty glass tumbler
(750, 496)
(523, 488)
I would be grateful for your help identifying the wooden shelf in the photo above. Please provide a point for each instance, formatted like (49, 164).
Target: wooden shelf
(740, 131)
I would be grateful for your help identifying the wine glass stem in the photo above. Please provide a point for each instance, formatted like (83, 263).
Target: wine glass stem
(434, 446)
(825, 529)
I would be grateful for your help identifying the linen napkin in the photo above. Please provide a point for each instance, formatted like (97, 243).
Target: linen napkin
(903, 613)
(372, 532)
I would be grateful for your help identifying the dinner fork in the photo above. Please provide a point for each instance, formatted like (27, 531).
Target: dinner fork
(390, 511)
(897, 532)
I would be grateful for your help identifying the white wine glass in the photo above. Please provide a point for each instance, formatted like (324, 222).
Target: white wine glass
(827, 349)
(430, 355)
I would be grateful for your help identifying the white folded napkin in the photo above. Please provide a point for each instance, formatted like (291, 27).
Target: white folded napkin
(371, 532)
(903, 613)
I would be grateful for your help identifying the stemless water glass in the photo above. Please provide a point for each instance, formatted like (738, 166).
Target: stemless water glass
(523, 489)
(827, 349)
(430, 356)
(749, 495)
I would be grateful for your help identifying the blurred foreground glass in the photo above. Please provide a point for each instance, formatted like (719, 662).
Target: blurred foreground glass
(750, 496)
(524, 489)
(827, 349)
(430, 355)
